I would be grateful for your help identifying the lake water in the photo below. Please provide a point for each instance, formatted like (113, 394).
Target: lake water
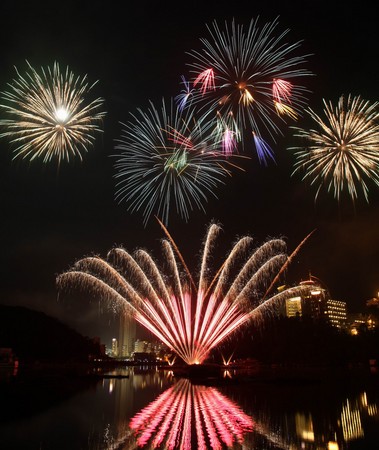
(152, 409)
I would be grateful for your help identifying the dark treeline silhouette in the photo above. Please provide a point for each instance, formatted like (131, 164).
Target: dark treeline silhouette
(302, 340)
(34, 336)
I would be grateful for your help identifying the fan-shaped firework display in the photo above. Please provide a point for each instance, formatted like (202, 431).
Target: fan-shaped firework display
(250, 75)
(190, 318)
(49, 117)
(342, 154)
(168, 160)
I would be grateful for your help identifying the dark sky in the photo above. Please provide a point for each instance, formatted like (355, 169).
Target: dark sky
(51, 218)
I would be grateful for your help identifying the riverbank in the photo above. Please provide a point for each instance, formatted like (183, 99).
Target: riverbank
(213, 374)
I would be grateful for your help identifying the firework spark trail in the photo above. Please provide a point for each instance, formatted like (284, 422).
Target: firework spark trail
(227, 132)
(213, 324)
(191, 321)
(264, 151)
(179, 254)
(281, 90)
(211, 236)
(264, 307)
(183, 97)
(49, 118)
(269, 267)
(83, 280)
(224, 271)
(249, 74)
(206, 79)
(343, 153)
(255, 261)
(168, 162)
(289, 260)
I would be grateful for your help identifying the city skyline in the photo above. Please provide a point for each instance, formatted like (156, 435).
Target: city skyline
(53, 217)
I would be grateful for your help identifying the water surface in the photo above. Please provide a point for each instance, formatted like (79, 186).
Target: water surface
(153, 409)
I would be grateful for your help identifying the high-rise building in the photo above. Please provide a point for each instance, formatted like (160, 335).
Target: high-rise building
(314, 302)
(335, 312)
(141, 346)
(127, 336)
(114, 348)
(311, 304)
(317, 304)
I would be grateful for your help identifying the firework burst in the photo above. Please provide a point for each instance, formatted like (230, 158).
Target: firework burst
(251, 74)
(48, 116)
(342, 154)
(189, 317)
(168, 160)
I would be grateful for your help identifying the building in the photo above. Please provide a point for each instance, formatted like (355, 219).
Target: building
(293, 307)
(127, 336)
(114, 352)
(356, 322)
(317, 304)
(155, 350)
(141, 346)
(335, 313)
(311, 304)
(314, 302)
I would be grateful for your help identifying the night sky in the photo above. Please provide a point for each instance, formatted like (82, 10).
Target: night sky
(50, 217)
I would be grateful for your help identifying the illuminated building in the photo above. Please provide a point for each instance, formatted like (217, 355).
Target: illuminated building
(140, 346)
(335, 313)
(317, 304)
(371, 322)
(114, 347)
(314, 303)
(357, 322)
(293, 307)
(127, 336)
